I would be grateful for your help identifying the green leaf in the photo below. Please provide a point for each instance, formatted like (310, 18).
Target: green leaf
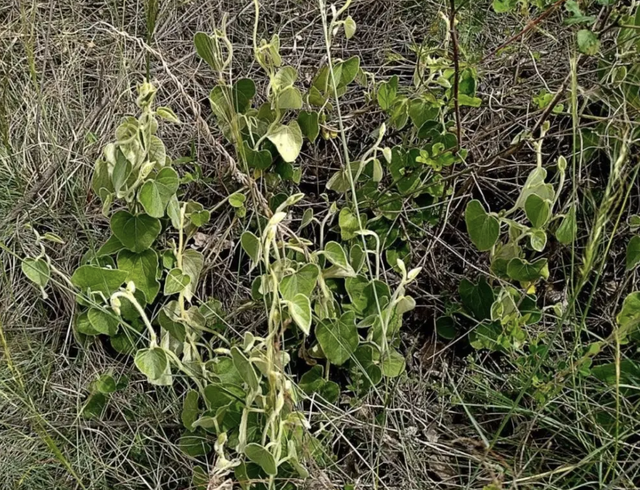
(364, 369)
(284, 78)
(538, 240)
(633, 253)
(251, 245)
(608, 373)
(153, 363)
(98, 279)
(446, 327)
(400, 113)
(121, 171)
(315, 98)
(524, 271)
(287, 140)
(338, 338)
(157, 151)
(167, 114)
(303, 281)
(192, 263)
(175, 282)
(154, 194)
(308, 122)
(289, 98)
(190, 411)
(348, 71)
(142, 269)
(568, 228)
(465, 100)
(504, 6)
(110, 247)
(83, 325)
(307, 218)
(101, 178)
(37, 270)
(246, 370)
(104, 384)
(483, 229)
(218, 99)
(94, 406)
(349, 27)
(237, 199)
(313, 382)
(349, 224)
(260, 160)
(393, 364)
(137, 233)
(103, 322)
(477, 298)
(243, 91)
(300, 311)
(335, 254)
(387, 92)
(205, 48)
(588, 42)
(194, 445)
(263, 458)
(629, 317)
(537, 210)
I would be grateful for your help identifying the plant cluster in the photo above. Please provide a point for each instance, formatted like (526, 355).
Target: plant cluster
(326, 304)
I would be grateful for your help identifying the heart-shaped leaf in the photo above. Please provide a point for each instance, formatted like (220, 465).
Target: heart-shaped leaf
(157, 151)
(633, 253)
(251, 245)
(288, 140)
(136, 232)
(153, 363)
(260, 160)
(338, 338)
(523, 271)
(155, 193)
(289, 98)
(285, 77)
(477, 298)
(176, 282)
(537, 210)
(192, 263)
(308, 121)
(242, 92)
(98, 279)
(303, 282)
(387, 92)
(393, 364)
(142, 269)
(568, 228)
(349, 27)
(262, 457)
(246, 370)
(103, 322)
(335, 254)
(349, 224)
(205, 47)
(300, 310)
(190, 410)
(37, 270)
(483, 229)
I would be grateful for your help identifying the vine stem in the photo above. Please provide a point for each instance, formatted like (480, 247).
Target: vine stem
(153, 338)
(456, 74)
